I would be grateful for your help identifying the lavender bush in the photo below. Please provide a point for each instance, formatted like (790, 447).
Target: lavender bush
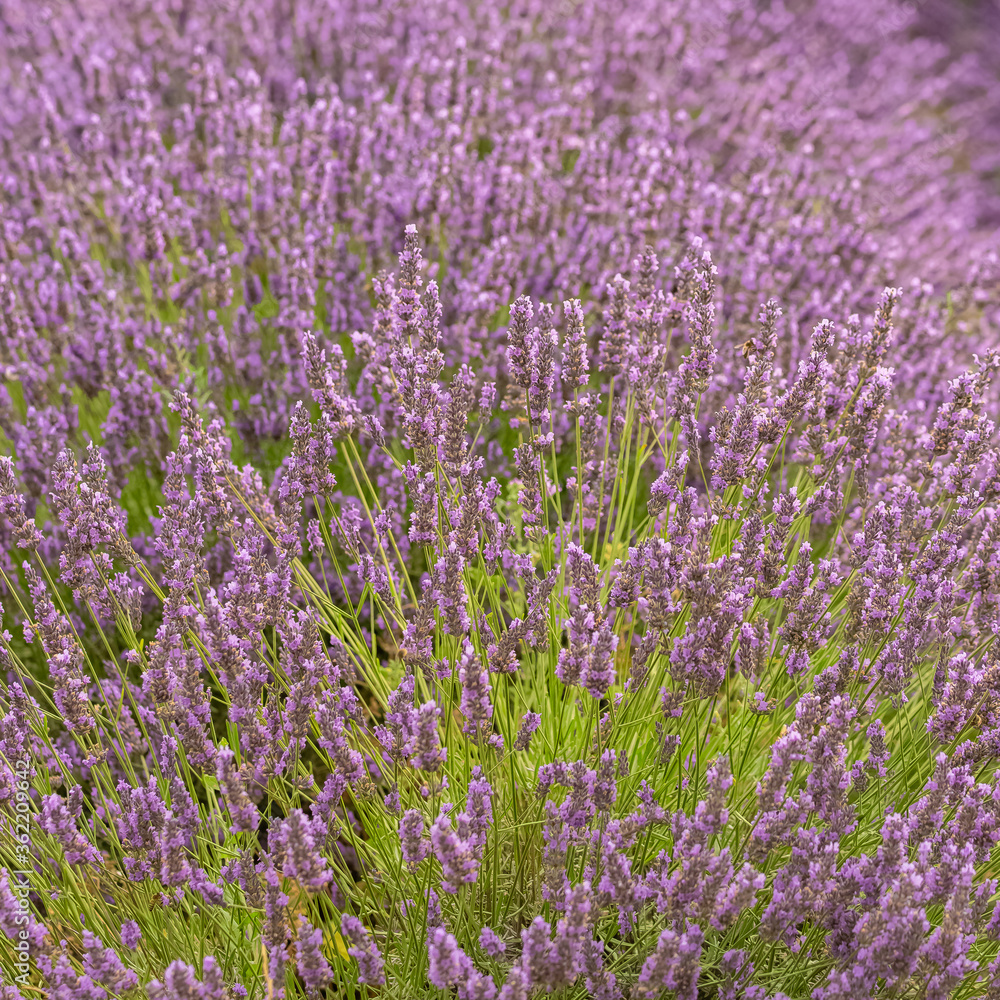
(497, 502)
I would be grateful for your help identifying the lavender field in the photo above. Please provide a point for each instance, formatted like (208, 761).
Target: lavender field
(499, 501)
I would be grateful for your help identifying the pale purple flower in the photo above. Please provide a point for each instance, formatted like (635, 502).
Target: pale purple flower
(131, 935)
(491, 943)
(371, 969)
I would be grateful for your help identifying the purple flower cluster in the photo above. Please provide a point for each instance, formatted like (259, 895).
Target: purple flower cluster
(364, 950)
(459, 846)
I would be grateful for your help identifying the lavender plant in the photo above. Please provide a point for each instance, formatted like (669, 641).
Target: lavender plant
(589, 588)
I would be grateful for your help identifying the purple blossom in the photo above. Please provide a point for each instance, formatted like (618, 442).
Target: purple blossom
(59, 818)
(131, 935)
(590, 792)
(244, 813)
(12, 507)
(674, 964)
(180, 983)
(575, 363)
(371, 969)
(589, 657)
(529, 725)
(411, 836)
(424, 749)
(296, 849)
(459, 848)
(312, 966)
(104, 966)
(450, 966)
(491, 943)
(475, 705)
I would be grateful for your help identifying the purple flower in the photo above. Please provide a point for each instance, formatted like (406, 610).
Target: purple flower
(26, 534)
(411, 836)
(180, 983)
(449, 593)
(475, 705)
(131, 935)
(59, 818)
(371, 969)
(878, 755)
(274, 931)
(521, 312)
(674, 965)
(530, 723)
(555, 961)
(296, 849)
(589, 657)
(450, 966)
(392, 802)
(490, 943)
(243, 812)
(460, 850)
(312, 966)
(617, 885)
(575, 363)
(478, 804)
(615, 335)
(698, 273)
(424, 749)
(65, 656)
(104, 966)
(590, 791)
